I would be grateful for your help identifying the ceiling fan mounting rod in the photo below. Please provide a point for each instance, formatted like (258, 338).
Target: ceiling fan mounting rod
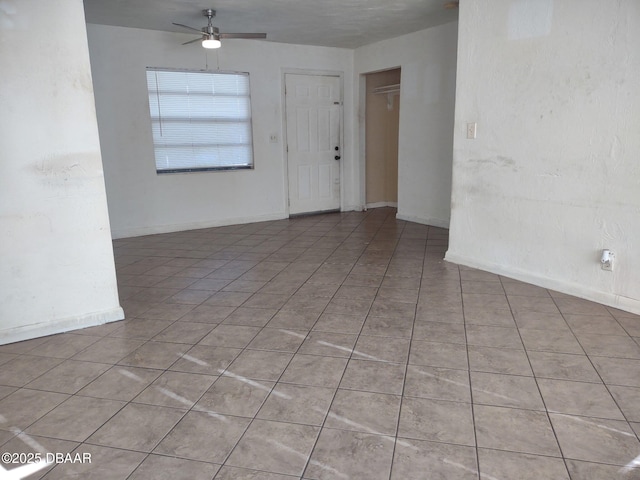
(210, 30)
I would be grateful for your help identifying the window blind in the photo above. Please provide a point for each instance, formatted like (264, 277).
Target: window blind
(200, 120)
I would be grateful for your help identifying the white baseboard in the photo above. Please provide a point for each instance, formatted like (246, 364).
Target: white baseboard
(434, 222)
(154, 229)
(43, 329)
(606, 298)
(352, 208)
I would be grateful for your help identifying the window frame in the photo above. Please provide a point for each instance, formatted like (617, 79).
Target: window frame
(195, 169)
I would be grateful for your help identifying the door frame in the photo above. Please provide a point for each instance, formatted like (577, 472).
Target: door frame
(363, 140)
(285, 141)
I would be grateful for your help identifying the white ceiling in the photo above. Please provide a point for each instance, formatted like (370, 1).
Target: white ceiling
(331, 23)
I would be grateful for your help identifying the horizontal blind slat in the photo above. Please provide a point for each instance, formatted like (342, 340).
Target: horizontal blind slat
(200, 119)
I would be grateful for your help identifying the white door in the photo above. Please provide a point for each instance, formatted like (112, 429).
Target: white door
(313, 111)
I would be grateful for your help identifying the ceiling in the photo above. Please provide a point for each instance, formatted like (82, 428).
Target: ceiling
(330, 23)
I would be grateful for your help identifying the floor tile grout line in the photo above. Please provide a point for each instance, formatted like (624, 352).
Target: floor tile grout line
(605, 384)
(132, 401)
(280, 376)
(200, 397)
(173, 243)
(406, 365)
(83, 442)
(322, 426)
(473, 404)
(274, 383)
(544, 402)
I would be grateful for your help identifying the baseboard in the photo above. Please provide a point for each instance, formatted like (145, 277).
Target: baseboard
(154, 229)
(382, 204)
(352, 208)
(433, 222)
(311, 214)
(606, 298)
(43, 329)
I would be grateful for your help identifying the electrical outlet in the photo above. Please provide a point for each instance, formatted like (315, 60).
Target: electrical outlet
(606, 261)
(472, 130)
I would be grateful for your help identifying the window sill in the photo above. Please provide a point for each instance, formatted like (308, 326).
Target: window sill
(208, 169)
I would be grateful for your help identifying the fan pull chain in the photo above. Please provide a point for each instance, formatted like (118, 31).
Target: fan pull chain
(206, 60)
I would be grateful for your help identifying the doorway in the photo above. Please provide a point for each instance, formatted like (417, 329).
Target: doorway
(382, 120)
(313, 112)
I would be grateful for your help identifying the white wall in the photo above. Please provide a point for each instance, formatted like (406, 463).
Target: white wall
(554, 174)
(57, 270)
(140, 201)
(427, 93)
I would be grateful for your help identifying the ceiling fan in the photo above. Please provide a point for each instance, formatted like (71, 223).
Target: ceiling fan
(211, 35)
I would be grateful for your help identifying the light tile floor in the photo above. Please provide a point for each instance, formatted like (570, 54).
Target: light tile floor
(328, 347)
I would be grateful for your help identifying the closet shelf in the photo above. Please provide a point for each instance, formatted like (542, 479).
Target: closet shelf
(387, 89)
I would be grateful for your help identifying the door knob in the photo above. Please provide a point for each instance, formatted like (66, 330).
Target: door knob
(337, 157)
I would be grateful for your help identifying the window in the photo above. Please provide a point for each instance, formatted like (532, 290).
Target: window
(200, 120)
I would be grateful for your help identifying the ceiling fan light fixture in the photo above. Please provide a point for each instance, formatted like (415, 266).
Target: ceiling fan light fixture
(209, 41)
(211, 36)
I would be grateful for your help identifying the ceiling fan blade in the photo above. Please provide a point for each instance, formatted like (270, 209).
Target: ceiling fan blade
(243, 35)
(187, 26)
(192, 41)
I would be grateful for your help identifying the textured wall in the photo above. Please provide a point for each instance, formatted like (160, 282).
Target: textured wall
(554, 174)
(57, 270)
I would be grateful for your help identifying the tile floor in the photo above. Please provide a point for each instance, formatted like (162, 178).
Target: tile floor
(338, 346)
